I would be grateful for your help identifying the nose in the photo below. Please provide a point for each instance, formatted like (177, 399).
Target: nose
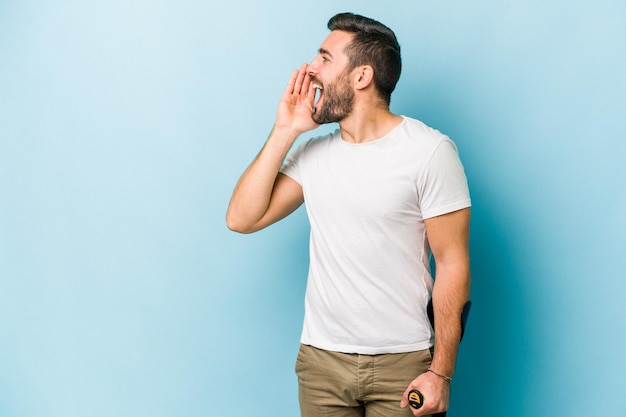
(312, 68)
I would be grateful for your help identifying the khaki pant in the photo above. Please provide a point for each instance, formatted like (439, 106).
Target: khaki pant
(335, 384)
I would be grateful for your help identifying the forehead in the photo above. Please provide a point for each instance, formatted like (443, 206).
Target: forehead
(336, 42)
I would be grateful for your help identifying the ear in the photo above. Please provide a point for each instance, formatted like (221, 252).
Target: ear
(363, 77)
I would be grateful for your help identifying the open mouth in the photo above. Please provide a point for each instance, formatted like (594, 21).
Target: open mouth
(319, 93)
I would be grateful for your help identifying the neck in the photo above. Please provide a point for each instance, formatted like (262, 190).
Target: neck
(368, 123)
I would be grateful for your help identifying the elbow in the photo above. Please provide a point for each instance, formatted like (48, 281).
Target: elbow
(236, 225)
(233, 225)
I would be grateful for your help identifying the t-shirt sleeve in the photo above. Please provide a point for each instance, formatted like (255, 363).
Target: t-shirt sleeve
(291, 166)
(442, 187)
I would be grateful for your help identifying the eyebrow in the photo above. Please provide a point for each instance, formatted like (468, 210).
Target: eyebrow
(323, 51)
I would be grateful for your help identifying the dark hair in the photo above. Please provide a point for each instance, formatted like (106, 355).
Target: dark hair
(373, 44)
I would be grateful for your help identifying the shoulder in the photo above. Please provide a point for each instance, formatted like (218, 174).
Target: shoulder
(422, 138)
(316, 143)
(420, 130)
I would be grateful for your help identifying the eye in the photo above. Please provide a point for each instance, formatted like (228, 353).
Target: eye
(324, 59)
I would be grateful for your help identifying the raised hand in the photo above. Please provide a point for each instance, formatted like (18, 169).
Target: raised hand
(296, 104)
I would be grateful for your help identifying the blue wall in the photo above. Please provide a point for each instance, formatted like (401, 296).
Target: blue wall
(125, 124)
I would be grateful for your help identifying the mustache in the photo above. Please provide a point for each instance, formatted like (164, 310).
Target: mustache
(316, 80)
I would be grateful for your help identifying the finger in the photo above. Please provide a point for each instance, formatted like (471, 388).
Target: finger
(309, 90)
(306, 83)
(292, 82)
(404, 402)
(300, 80)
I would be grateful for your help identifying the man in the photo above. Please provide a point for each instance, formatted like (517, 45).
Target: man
(382, 193)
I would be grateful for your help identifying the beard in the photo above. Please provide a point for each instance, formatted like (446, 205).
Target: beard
(337, 103)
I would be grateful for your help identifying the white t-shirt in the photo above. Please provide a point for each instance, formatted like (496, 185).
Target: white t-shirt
(369, 281)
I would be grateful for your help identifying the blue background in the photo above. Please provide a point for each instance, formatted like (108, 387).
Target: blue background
(124, 126)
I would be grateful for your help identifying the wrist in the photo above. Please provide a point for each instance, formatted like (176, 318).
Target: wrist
(291, 129)
(446, 378)
(282, 137)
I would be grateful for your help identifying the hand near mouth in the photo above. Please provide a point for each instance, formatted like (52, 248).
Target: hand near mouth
(297, 103)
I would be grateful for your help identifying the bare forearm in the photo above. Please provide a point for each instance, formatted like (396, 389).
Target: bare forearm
(252, 194)
(450, 293)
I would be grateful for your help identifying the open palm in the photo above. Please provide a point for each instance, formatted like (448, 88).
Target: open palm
(296, 104)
